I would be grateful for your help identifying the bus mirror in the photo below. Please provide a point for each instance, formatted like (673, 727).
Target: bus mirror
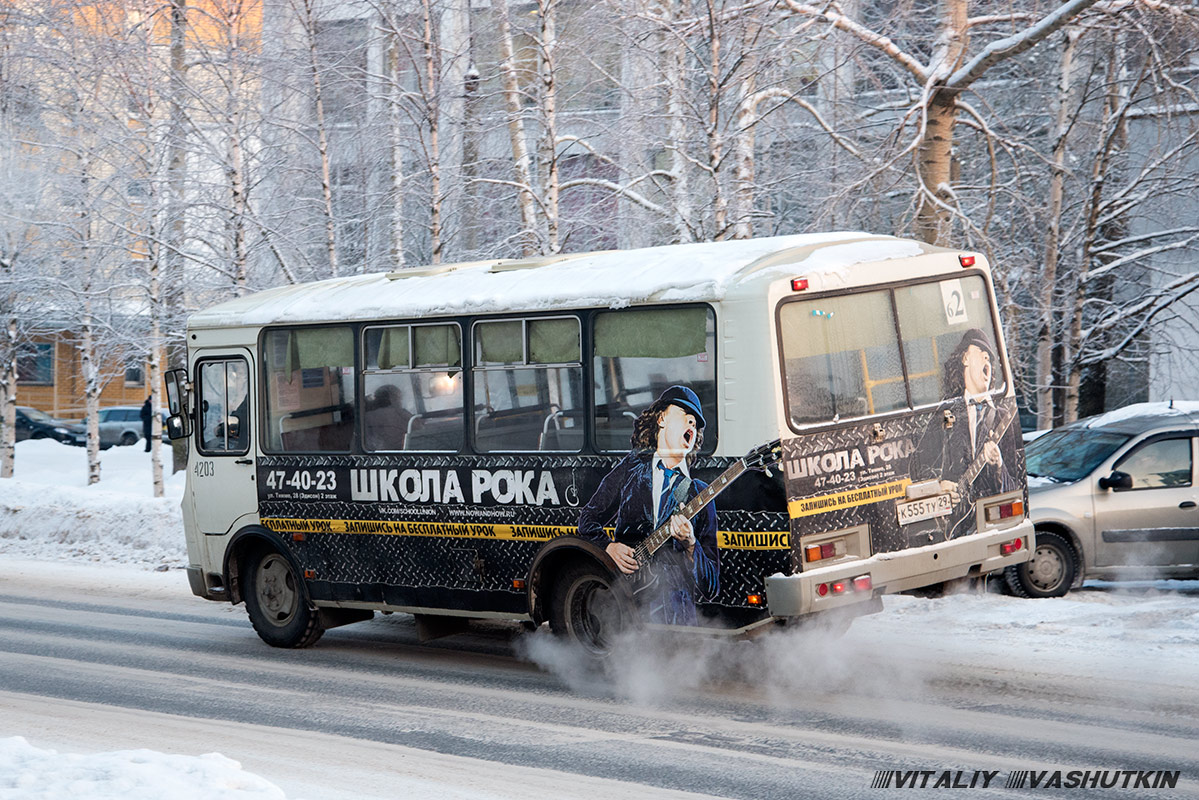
(176, 381)
(177, 402)
(177, 427)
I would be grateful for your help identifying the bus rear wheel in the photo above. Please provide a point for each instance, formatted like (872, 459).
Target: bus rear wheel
(588, 609)
(275, 601)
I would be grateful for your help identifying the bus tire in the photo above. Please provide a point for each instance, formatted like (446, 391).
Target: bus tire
(588, 609)
(1049, 573)
(276, 604)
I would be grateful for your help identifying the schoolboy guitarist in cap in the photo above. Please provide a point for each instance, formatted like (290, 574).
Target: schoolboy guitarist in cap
(641, 492)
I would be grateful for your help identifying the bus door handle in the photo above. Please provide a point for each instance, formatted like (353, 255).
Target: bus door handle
(1187, 504)
(244, 461)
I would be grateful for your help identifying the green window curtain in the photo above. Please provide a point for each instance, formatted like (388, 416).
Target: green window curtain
(500, 342)
(651, 333)
(436, 346)
(554, 341)
(309, 348)
(393, 347)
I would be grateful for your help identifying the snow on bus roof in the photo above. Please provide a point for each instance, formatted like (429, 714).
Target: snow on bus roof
(698, 272)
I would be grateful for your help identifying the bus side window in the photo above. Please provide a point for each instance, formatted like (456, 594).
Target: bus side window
(224, 407)
(528, 378)
(639, 353)
(412, 385)
(309, 389)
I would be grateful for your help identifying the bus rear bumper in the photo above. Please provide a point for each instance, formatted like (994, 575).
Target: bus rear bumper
(969, 556)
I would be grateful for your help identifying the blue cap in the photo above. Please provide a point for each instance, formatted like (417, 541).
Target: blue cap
(685, 399)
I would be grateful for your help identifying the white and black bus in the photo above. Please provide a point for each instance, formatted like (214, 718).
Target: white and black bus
(717, 437)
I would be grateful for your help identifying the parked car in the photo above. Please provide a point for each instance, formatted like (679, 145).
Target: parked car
(1113, 496)
(34, 424)
(120, 425)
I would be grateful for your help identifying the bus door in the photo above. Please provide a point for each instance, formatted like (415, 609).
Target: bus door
(222, 472)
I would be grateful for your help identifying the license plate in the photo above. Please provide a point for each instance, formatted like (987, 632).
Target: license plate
(924, 508)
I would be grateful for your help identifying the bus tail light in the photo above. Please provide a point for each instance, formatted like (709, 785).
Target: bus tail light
(799, 284)
(966, 261)
(825, 550)
(1004, 510)
(862, 583)
(754, 599)
(1007, 548)
(518, 583)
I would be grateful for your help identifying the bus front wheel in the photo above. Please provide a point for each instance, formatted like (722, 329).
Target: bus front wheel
(276, 603)
(588, 609)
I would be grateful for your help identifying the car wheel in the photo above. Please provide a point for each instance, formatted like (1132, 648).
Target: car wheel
(1050, 572)
(128, 438)
(588, 609)
(276, 604)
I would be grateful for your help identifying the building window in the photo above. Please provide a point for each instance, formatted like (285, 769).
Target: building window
(135, 375)
(35, 363)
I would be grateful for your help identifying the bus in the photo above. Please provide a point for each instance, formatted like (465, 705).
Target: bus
(720, 438)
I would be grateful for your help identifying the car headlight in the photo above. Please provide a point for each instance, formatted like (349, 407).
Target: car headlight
(61, 430)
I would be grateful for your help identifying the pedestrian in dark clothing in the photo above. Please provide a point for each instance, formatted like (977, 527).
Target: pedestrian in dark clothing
(147, 422)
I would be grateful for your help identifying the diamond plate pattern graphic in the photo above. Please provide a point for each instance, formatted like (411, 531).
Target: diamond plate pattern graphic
(477, 563)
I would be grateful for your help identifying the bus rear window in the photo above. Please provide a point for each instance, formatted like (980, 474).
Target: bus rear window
(842, 357)
(842, 354)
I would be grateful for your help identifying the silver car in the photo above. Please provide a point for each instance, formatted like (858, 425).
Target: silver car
(1113, 496)
(120, 425)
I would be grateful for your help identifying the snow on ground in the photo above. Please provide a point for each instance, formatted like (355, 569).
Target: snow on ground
(48, 511)
(30, 773)
(1146, 632)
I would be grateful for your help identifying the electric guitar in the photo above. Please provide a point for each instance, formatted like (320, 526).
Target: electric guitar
(1007, 413)
(762, 457)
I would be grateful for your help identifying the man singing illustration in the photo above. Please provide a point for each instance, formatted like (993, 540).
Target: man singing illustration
(642, 492)
(947, 453)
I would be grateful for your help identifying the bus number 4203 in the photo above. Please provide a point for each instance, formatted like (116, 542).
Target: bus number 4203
(302, 480)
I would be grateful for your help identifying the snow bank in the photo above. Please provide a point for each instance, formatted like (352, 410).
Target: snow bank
(47, 511)
(29, 773)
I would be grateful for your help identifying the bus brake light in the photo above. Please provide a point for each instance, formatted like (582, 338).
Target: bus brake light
(799, 284)
(1007, 548)
(862, 583)
(966, 261)
(1004, 510)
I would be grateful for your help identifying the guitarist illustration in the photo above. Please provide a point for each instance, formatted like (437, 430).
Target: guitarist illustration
(642, 493)
(967, 458)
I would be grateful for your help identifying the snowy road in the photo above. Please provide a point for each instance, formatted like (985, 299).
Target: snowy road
(89, 660)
